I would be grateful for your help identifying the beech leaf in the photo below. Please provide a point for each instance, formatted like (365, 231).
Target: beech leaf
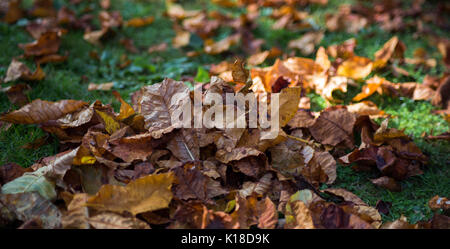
(145, 194)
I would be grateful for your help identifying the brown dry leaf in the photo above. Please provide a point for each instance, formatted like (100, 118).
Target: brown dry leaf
(302, 119)
(57, 168)
(201, 25)
(190, 215)
(439, 203)
(334, 126)
(245, 212)
(325, 86)
(397, 168)
(137, 147)
(43, 8)
(298, 216)
(392, 49)
(365, 108)
(10, 171)
(249, 161)
(140, 169)
(398, 71)
(306, 44)
(279, 76)
(128, 44)
(176, 11)
(321, 168)
(37, 75)
(223, 66)
(423, 92)
(343, 50)
(40, 26)
(290, 157)
(258, 58)
(367, 214)
(288, 105)
(181, 39)
(346, 195)
(66, 16)
(94, 37)
(192, 184)
(31, 205)
(185, 145)
(356, 67)
(111, 19)
(105, 4)
(405, 89)
(267, 212)
(14, 12)
(322, 59)
(439, 221)
(139, 22)
(344, 20)
(383, 133)
(17, 94)
(159, 102)
(442, 96)
(282, 22)
(401, 223)
(77, 213)
(18, 70)
(399, 159)
(420, 57)
(52, 58)
(114, 221)
(40, 111)
(145, 194)
(299, 66)
(357, 211)
(222, 45)
(158, 48)
(48, 43)
(100, 87)
(341, 216)
(444, 49)
(388, 183)
(259, 188)
(238, 71)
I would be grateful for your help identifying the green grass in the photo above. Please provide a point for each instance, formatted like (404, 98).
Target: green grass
(65, 81)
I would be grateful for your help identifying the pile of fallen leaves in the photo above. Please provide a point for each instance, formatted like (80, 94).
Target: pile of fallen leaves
(137, 169)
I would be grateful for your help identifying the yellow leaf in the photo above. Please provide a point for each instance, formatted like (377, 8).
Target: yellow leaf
(355, 67)
(111, 125)
(125, 109)
(145, 194)
(289, 99)
(393, 48)
(88, 160)
(83, 156)
(371, 86)
(139, 21)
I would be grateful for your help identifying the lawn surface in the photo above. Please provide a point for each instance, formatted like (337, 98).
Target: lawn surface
(69, 80)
